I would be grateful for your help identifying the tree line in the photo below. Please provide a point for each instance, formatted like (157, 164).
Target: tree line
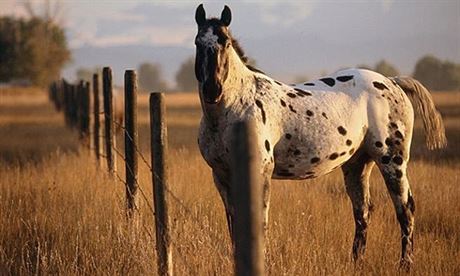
(31, 50)
(433, 72)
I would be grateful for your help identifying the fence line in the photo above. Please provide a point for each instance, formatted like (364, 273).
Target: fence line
(68, 98)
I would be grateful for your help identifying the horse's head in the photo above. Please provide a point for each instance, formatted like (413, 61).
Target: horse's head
(212, 44)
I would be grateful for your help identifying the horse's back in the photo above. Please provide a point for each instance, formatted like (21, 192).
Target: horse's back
(350, 111)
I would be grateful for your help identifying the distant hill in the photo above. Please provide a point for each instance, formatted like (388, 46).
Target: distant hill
(282, 56)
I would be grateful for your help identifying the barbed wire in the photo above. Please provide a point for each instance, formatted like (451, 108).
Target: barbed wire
(171, 193)
(219, 249)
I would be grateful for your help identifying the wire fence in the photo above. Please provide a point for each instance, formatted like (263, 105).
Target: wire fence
(62, 102)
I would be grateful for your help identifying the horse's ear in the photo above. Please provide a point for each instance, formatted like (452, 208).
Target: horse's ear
(200, 15)
(226, 16)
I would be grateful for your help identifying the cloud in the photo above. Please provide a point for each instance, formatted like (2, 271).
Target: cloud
(285, 13)
(148, 35)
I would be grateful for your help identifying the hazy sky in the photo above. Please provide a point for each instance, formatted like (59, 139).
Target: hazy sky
(343, 24)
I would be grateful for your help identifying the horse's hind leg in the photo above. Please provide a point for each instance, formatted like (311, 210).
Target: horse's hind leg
(356, 173)
(393, 170)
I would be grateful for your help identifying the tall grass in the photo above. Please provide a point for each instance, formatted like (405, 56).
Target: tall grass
(61, 213)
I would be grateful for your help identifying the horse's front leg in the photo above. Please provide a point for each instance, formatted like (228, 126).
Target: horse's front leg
(223, 186)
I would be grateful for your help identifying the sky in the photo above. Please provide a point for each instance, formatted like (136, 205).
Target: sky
(280, 35)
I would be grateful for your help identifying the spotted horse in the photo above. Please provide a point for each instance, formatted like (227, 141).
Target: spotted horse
(351, 119)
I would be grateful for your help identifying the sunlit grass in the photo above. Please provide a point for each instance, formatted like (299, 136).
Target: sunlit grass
(61, 213)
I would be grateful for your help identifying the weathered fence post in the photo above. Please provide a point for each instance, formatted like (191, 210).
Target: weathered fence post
(247, 201)
(159, 154)
(74, 105)
(83, 112)
(97, 122)
(109, 119)
(131, 141)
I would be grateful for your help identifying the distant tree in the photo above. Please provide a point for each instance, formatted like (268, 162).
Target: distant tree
(185, 76)
(386, 69)
(34, 49)
(151, 77)
(436, 74)
(300, 79)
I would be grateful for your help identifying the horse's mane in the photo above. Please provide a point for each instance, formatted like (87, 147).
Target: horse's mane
(239, 50)
(236, 45)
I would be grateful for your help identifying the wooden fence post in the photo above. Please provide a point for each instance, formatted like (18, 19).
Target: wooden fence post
(83, 112)
(247, 199)
(97, 122)
(131, 141)
(109, 119)
(159, 154)
(74, 106)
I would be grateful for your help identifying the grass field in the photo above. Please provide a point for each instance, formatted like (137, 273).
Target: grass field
(62, 214)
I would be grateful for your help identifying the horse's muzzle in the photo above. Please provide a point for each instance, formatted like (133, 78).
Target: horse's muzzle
(212, 92)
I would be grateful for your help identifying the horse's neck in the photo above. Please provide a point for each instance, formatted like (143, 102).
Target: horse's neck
(240, 80)
(239, 83)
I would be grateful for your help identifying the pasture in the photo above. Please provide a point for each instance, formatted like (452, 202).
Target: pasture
(62, 214)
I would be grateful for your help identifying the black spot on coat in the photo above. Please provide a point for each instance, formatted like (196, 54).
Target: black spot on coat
(292, 95)
(379, 85)
(334, 156)
(398, 160)
(292, 109)
(267, 145)
(309, 84)
(283, 103)
(378, 144)
(348, 142)
(398, 134)
(329, 81)
(344, 78)
(314, 160)
(388, 142)
(302, 92)
(342, 130)
(398, 173)
(385, 159)
(288, 136)
(262, 83)
(324, 115)
(260, 106)
(309, 113)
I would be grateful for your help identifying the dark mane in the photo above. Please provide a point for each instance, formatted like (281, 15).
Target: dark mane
(242, 55)
(216, 23)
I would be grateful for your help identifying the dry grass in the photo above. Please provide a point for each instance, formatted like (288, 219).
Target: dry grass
(62, 214)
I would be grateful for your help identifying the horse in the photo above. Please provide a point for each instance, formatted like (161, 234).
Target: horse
(352, 119)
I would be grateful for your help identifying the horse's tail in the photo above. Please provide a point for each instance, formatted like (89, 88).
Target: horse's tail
(420, 97)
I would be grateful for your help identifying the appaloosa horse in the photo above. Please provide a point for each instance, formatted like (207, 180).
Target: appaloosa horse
(351, 119)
